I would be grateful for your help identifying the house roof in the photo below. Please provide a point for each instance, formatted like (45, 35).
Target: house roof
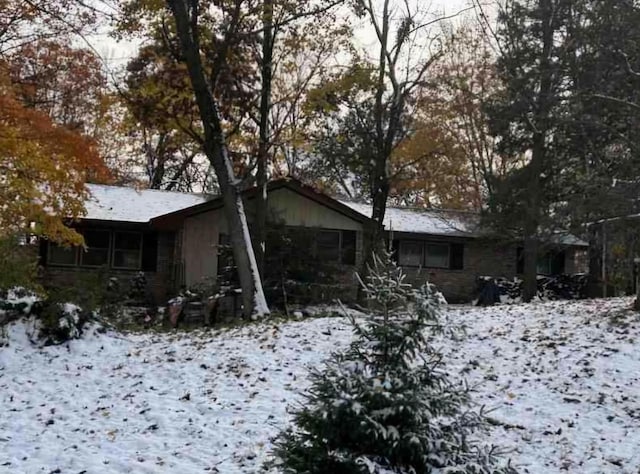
(289, 183)
(425, 221)
(564, 238)
(117, 203)
(445, 223)
(165, 208)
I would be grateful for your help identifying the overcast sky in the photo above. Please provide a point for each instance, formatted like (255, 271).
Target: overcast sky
(117, 54)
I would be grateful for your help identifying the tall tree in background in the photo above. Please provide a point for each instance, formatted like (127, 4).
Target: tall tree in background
(463, 82)
(187, 17)
(372, 105)
(283, 24)
(446, 156)
(605, 65)
(24, 21)
(401, 34)
(264, 143)
(567, 107)
(45, 156)
(305, 59)
(528, 115)
(64, 82)
(450, 159)
(163, 117)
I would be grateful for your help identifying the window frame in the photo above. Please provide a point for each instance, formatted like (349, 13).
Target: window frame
(114, 249)
(442, 244)
(423, 259)
(339, 248)
(79, 252)
(51, 245)
(546, 260)
(82, 251)
(409, 241)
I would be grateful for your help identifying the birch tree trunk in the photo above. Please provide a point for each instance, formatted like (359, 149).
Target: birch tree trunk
(185, 13)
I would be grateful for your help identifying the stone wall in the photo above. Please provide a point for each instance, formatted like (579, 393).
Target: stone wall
(481, 257)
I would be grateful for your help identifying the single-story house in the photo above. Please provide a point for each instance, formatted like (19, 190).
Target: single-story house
(119, 239)
(174, 238)
(451, 249)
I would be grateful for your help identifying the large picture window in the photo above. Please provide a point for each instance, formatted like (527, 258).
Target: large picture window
(436, 255)
(410, 253)
(417, 253)
(122, 250)
(98, 243)
(59, 255)
(127, 250)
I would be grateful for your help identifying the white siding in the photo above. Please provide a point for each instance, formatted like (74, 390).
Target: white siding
(199, 245)
(297, 210)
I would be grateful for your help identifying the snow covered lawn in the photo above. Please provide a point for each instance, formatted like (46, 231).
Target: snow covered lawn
(562, 379)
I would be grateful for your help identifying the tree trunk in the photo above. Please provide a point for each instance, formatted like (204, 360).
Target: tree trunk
(254, 303)
(538, 156)
(530, 283)
(374, 235)
(379, 175)
(379, 206)
(260, 225)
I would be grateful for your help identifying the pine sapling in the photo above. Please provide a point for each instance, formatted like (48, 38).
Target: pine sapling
(385, 404)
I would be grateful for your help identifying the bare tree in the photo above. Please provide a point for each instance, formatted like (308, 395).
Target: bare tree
(186, 14)
(408, 45)
(279, 19)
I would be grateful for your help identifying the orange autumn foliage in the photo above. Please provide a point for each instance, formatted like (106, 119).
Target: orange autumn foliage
(43, 170)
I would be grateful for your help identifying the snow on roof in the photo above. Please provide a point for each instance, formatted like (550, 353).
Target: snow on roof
(424, 221)
(567, 239)
(444, 223)
(117, 203)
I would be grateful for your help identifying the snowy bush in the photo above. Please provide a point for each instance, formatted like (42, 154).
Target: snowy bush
(17, 302)
(54, 322)
(60, 322)
(385, 404)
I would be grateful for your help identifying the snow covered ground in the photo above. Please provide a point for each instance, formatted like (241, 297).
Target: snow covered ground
(562, 379)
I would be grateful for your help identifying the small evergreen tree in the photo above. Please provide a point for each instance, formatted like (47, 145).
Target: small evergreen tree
(384, 404)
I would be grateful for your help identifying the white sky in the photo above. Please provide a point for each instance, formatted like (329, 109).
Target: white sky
(117, 54)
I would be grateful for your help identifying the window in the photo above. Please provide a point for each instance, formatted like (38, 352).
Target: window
(543, 265)
(97, 252)
(119, 250)
(328, 245)
(410, 253)
(549, 263)
(59, 255)
(127, 250)
(349, 243)
(436, 255)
